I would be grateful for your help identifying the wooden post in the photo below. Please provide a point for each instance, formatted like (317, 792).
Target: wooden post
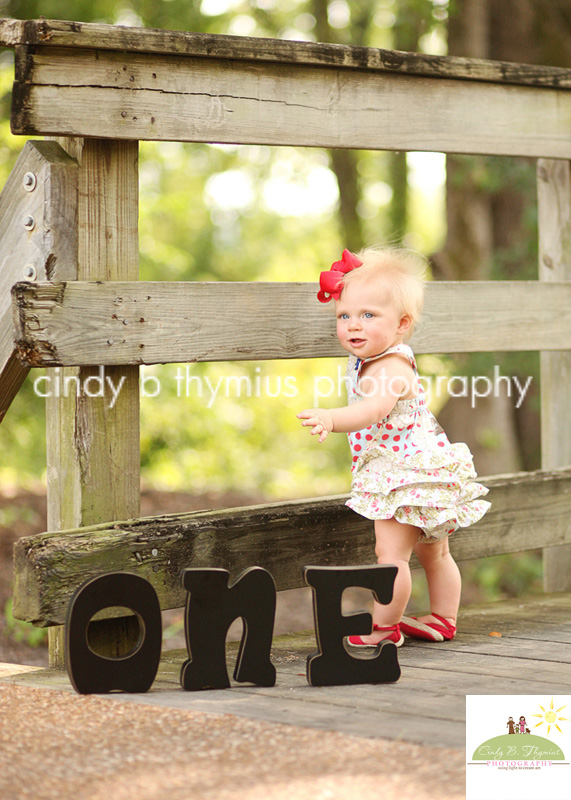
(38, 224)
(554, 204)
(93, 448)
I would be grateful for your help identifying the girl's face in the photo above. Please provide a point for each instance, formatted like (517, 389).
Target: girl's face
(367, 323)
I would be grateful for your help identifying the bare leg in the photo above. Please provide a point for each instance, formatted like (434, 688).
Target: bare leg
(443, 578)
(394, 544)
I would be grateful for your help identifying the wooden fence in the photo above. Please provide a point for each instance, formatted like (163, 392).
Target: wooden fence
(69, 231)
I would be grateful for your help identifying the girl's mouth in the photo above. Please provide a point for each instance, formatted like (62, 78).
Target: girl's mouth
(357, 342)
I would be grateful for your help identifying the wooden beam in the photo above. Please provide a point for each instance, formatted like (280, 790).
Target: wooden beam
(160, 322)
(281, 537)
(93, 449)
(38, 233)
(58, 33)
(197, 99)
(554, 209)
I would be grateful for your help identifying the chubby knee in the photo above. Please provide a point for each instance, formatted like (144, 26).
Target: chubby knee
(394, 541)
(433, 552)
(382, 552)
(388, 555)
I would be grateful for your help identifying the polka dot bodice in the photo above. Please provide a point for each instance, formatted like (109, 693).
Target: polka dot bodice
(396, 431)
(405, 467)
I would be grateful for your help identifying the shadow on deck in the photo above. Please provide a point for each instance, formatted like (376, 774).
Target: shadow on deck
(427, 705)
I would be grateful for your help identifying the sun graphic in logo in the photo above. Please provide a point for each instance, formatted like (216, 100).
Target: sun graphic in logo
(550, 717)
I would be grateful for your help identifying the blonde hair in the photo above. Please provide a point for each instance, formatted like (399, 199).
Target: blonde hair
(399, 271)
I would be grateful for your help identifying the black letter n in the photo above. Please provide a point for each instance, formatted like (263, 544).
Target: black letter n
(211, 607)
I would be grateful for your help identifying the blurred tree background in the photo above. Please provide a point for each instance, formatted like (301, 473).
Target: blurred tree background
(213, 212)
(219, 212)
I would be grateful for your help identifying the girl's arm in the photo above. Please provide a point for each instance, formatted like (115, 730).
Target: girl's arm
(384, 388)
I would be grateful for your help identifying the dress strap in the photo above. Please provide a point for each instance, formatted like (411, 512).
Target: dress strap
(398, 349)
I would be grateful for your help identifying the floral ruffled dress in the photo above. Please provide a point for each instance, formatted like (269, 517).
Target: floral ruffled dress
(405, 467)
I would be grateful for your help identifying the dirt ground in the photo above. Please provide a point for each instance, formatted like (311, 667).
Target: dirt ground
(94, 748)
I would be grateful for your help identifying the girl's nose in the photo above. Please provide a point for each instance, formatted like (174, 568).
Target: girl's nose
(354, 323)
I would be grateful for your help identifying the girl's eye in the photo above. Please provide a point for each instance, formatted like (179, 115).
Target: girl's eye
(344, 316)
(368, 315)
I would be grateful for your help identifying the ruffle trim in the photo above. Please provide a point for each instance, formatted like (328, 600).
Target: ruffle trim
(456, 458)
(383, 478)
(436, 518)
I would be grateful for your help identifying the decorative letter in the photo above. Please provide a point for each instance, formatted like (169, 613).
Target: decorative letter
(332, 665)
(91, 673)
(211, 607)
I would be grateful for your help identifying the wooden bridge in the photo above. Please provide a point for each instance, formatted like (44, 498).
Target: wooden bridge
(426, 706)
(69, 298)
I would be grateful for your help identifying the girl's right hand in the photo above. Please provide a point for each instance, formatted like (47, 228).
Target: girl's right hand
(320, 419)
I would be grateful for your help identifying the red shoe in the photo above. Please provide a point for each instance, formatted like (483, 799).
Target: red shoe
(429, 631)
(395, 636)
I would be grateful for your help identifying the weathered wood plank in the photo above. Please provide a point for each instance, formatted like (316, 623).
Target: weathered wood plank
(93, 449)
(413, 681)
(161, 322)
(450, 676)
(446, 685)
(505, 646)
(432, 659)
(554, 211)
(215, 100)
(555, 632)
(58, 33)
(280, 537)
(47, 245)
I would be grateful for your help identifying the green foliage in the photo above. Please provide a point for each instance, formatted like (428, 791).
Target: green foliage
(23, 631)
(10, 146)
(501, 577)
(23, 438)
(233, 425)
(17, 514)
(488, 580)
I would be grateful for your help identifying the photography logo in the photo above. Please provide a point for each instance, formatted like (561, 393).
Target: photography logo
(518, 746)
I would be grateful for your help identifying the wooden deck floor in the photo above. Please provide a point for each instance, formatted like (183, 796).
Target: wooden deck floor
(427, 705)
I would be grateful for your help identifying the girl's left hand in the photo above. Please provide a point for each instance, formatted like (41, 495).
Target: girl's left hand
(320, 419)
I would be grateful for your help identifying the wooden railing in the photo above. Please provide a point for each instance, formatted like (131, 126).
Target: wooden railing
(282, 537)
(167, 322)
(98, 89)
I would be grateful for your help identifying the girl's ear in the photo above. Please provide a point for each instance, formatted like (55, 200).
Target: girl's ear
(404, 324)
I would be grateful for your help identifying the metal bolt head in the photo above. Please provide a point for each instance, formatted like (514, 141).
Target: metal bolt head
(29, 181)
(30, 272)
(29, 222)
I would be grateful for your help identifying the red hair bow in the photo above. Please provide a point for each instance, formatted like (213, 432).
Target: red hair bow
(331, 281)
